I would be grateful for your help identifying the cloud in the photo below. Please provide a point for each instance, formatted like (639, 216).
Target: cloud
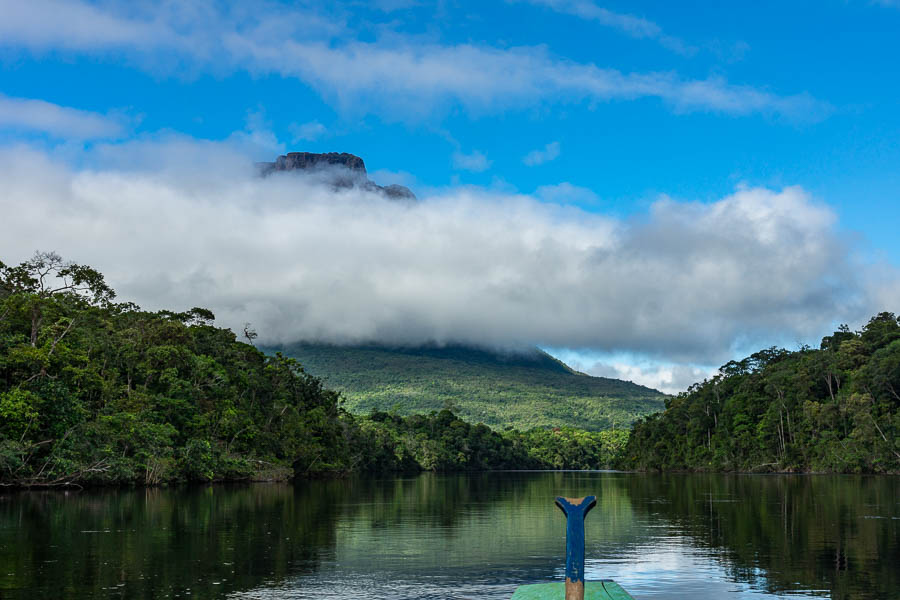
(195, 29)
(416, 80)
(475, 161)
(307, 132)
(566, 193)
(388, 177)
(687, 282)
(539, 157)
(73, 25)
(397, 75)
(636, 27)
(670, 379)
(172, 154)
(662, 375)
(29, 115)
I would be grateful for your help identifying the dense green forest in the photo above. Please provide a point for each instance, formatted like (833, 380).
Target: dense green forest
(835, 409)
(522, 390)
(95, 392)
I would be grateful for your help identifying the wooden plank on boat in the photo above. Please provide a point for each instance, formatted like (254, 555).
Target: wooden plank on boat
(593, 590)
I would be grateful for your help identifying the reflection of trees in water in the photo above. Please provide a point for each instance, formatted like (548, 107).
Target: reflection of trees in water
(210, 540)
(433, 500)
(470, 519)
(443, 501)
(838, 533)
(780, 533)
(214, 540)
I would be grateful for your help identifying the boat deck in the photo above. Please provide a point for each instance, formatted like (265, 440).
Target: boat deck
(605, 589)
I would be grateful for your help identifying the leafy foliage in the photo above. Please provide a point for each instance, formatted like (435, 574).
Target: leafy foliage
(95, 392)
(835, 409)
(441, 441)
(516, 390)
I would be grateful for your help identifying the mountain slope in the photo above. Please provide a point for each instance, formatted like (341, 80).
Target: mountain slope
(523, 391)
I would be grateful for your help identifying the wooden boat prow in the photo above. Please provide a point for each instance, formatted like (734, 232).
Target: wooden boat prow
(574, 587)
(604, 589)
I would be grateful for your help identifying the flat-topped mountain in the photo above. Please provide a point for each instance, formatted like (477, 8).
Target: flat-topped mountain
(338, 169)
(522, 390)
(293, 161)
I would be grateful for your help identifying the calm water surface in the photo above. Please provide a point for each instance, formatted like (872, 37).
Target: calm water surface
(458, 537)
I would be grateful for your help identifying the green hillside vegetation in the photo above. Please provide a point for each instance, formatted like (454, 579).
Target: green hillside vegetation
(98, 392)
(501, 390)
(441, 441)
(835, 409)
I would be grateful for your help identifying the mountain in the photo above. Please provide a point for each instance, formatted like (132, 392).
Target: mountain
(340, 170)
(522, 390)
(519, 390)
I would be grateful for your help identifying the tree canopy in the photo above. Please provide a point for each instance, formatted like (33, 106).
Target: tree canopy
(98, 392)
(832, 409)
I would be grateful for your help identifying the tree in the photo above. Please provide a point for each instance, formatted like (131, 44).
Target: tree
(832, 409)
(44, 278)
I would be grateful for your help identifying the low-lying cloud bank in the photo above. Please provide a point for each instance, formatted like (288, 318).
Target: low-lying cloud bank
(686, 283)
(24, 114)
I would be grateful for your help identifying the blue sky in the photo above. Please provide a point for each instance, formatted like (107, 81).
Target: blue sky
(605, 107)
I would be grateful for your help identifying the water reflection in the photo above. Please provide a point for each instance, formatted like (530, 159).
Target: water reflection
(465, 536)
(156, 543)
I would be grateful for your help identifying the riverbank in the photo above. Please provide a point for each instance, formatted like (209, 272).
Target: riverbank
(94, 392)
(833, 409)
(380, 443)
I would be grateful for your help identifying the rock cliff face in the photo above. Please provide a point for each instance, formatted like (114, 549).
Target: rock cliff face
(310, 160)
(338, 169)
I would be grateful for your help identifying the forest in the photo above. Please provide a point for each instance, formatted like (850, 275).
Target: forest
(524, 390)
(94, 391)
(833, 409)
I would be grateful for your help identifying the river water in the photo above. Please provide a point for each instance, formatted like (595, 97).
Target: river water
(473, 536)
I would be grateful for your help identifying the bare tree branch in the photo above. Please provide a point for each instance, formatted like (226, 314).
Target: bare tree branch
(59, 339)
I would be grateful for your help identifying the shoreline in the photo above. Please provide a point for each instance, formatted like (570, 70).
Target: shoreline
(73, 486)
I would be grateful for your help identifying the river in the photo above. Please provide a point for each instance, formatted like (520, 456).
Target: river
(471, 536)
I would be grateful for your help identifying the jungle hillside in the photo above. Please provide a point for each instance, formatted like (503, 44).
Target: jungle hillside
(832, 409)
(520, 390)
(94, 391)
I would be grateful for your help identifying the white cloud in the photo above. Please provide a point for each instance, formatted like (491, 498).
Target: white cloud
(539, 157)
(195, 29)
(397, 75)
(63, 24)
(412, 80)
(670, 379)
(667, 377)
(688, 283)
(474, 161)
(387, 177)
(566, 193)
(636, 27)
(29, 115)
(307, 132)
